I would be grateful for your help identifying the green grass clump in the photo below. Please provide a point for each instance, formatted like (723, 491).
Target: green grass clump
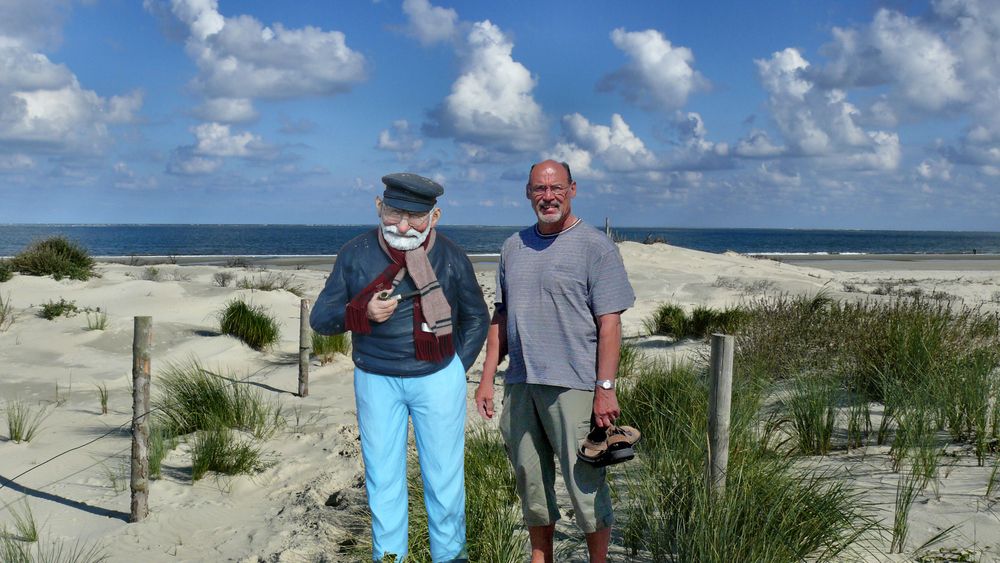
(97, 320)
(222, 451)
(57, 257)
(493, 513)
(812, 404)
(60, 308)
(23, 421)
(671, 320)
(771, 511)
(325, 347)
(252, 324)
(6, 271)
(191, 398)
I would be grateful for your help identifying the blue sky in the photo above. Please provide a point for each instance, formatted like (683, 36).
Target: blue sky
(785, 113)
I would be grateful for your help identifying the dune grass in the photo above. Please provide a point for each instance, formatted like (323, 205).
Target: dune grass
(325, 347)
(7, 315)
(771, 511)
(23, 421)
(6, 271)
(57, 257)
(160, 444)
(221, 450)
(223, 279)
(102, 396)
(670, 320)
(812, 405)
(252, 324)
(97, 319)
(191, 398)
(271, 281)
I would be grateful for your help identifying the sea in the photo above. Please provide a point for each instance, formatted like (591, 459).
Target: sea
(299, 240)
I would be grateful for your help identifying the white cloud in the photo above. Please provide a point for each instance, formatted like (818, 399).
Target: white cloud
(429, 24)
(934, 169)
(816, 121)
(33, 24)
(239, 57)
(215, 139)
(400, 140)
(615, 145)
(227, 110)
(491, 103)
(184, 163)
(757, 145)
(659, 75)
(44, 103)
(579, 160)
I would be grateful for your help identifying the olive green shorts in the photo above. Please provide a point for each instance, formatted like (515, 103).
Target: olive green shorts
(540, 423)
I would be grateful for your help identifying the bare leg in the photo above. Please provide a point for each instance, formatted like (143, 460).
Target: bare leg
(597, 545)
(541, 543)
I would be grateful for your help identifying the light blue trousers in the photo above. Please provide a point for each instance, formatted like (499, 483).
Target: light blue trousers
(436, 404)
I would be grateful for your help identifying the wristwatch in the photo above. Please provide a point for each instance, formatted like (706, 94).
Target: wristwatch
(606, 384)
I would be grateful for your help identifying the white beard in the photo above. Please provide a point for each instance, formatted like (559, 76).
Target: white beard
(412, 239)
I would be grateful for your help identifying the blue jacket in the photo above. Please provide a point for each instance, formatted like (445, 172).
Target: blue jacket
(388, 349)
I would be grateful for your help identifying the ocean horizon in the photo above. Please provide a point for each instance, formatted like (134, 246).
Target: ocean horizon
(158, 239)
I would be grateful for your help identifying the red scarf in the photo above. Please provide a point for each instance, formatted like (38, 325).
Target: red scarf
(430, 308)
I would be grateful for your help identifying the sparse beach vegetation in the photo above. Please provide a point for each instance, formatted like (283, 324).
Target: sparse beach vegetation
(151, 273)
(326, 347)
(272, 281)
(57, 257)
(252, 324)
(23, 420)
(223, 279)
(6, 271)
(97, 319)
(61, 308)
(102, 396)
(7, 315)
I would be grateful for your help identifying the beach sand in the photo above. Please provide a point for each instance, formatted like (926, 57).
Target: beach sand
(295, 510)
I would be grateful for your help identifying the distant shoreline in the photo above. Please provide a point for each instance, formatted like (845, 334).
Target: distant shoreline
(488, 261)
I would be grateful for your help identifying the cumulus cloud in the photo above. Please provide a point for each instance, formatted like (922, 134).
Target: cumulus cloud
(659, 75)
(399, 140)
(695, 151)
(757, 145)
(429, 24)
(491, 102)
(43, 103)
(239, 57)
(816, 121)
(214, 142)
(579, 160)
(227, 110)
(615, 144)
(33, 24)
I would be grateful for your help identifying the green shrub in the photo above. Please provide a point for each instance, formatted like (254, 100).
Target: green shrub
(56, 256)
(222, 451)
(325, 347)
(191, 398)
(60, 308)
(6, 271)
(250, 323)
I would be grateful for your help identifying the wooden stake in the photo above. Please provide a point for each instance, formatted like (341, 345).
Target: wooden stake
(142, 341)
(719, 403)
(305, 347)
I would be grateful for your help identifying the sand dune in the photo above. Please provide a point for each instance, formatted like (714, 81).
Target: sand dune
(295, 510)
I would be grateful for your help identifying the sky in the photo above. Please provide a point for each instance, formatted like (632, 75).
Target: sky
(783, 114)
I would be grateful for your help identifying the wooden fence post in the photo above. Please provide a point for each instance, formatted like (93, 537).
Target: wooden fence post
(305, 347)
(719, 402)
(607, 227)
(142, 340)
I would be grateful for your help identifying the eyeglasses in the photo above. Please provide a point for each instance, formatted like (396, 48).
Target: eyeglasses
(557, 190)
(392, 216)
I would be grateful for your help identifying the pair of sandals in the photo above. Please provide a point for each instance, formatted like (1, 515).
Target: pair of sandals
(608, 446)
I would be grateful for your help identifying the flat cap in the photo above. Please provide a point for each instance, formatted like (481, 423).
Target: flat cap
(410, 192)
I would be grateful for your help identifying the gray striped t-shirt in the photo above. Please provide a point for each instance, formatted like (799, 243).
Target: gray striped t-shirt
(553, 287)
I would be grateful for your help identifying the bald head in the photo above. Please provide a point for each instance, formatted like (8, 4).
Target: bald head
(550, 163)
